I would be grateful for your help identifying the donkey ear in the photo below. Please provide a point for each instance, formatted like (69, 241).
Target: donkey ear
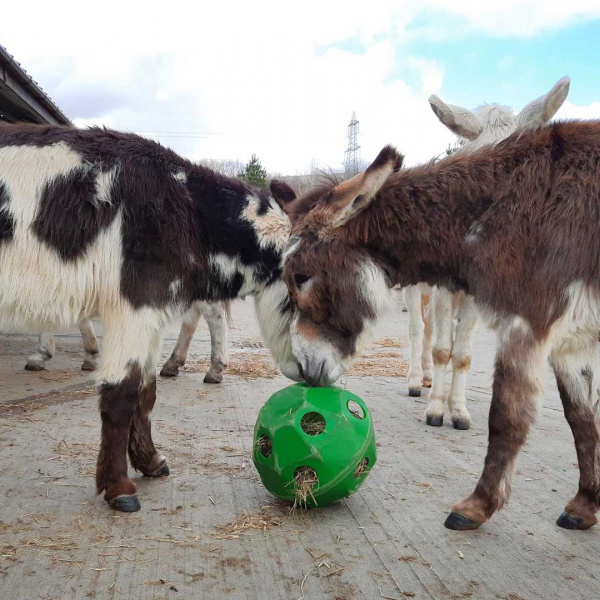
(354, 195)
(282, 193)
(461, 121)
(542, 109)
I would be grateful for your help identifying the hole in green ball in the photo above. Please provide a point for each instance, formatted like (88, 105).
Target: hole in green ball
(313, 423)
(356, 409)
(305, 480)
(362, 468)
(265, 446)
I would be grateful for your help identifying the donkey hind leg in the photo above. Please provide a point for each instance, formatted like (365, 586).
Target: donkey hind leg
(45, 351)
(142, 453)
(131, 342)
(519, 363)
(461, 361)
(90, 345)
(416, 328)
(215, 314)
(441, 305)
(426, 358)
(577, 379)
(189, 324)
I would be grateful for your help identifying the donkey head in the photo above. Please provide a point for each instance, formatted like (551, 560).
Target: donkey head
(491, 123)
(337, 290)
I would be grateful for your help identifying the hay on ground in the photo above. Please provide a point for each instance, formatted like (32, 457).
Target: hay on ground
(248, 365)
(380, 364)
(246, 523)
(389, 343)
(254, 342)
(85, 450)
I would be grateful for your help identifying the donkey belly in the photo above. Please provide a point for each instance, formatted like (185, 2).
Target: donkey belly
(39, 290)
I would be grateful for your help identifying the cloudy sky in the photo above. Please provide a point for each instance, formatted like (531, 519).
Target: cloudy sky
(226, 78)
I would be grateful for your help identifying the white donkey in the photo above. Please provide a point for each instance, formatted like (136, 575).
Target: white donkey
(216, 315)
(448, 317)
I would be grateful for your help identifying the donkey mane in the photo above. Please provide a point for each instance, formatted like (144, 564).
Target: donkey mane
(495, 115)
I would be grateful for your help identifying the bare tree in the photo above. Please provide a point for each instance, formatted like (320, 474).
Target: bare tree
(229, 167)
(317, 175)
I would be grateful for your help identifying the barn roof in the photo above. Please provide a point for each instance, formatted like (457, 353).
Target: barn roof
(22, 98)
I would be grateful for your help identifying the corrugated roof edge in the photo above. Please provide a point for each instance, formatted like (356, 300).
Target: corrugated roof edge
(33, 86)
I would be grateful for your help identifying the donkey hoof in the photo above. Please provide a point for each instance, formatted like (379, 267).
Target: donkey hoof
(125, 503)
(435, 421)
(414, 392)
(459, 523)
(427, 383)
(213, 378)
(461, 424)
(34, 367)
(88, 366)
(162, 471)
(569, 521)
(169, 371)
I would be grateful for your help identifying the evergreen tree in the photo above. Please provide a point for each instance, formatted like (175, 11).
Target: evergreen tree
(254, 173)
(452, 149)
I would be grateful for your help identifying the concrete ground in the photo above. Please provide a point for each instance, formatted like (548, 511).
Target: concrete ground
(212, 531)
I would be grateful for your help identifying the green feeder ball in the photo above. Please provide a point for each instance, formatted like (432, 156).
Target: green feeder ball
(314, 445)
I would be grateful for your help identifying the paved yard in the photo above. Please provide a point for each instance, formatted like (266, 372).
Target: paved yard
(212, 531)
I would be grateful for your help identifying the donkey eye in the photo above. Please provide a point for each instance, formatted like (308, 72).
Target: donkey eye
(300, 278)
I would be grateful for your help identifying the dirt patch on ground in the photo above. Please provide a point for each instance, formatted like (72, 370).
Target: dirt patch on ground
(25, 406)
(48, 538)
(85, 450)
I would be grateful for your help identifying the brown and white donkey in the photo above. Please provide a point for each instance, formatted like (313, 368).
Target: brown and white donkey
(516, 227)
(97, 223)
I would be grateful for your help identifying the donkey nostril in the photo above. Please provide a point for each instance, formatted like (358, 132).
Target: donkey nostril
(301, 370)
(321, 372)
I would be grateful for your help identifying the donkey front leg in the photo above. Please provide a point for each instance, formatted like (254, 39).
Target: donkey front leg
(126, 372)
(216, 317)
(189, 324)
(90, 345)
(577, 379)
(461, 361)
(442, 315)
(519, 363)
(45, 351)
(416, 328)
(142, 453)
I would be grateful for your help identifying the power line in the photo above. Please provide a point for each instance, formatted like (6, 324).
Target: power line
(189, 133)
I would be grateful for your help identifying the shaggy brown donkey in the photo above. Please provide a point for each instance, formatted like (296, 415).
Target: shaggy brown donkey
(517, 227)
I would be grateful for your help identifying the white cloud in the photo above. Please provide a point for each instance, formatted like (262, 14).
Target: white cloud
(231, 78)
(573, 111)
(518, 17)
